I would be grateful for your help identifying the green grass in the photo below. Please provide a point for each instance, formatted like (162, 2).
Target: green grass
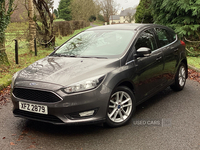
(58, 20)
(17, 26)
(25, 57)
(16, 31)
(194, 61)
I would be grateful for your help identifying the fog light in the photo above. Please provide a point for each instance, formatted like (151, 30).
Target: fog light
(86, 113)
(82, 114)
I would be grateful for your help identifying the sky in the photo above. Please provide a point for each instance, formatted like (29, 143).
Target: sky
(123, 3)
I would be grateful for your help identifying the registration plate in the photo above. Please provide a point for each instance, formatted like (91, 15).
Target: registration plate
(41, 109)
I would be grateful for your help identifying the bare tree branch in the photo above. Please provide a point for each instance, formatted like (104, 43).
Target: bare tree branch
(108, 7)
(47, 21)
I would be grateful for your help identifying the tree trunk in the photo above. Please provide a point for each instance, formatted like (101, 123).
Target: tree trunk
(32, 28)
(48, 38)
(3, 55)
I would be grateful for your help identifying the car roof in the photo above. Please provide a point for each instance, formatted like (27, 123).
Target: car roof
(130, 26)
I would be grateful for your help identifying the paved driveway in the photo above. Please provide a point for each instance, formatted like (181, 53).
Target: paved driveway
(168, 121)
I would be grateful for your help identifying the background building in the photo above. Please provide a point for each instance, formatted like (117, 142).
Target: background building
(125, 16)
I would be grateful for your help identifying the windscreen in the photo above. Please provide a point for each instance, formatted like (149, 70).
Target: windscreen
(97, 43)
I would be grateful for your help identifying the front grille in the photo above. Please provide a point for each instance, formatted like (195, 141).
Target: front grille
(39, 117)
(35, 95)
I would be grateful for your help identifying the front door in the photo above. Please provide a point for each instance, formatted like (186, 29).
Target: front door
(149, 68)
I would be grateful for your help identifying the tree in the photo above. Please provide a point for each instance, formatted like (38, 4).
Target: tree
(143, 12)
(182, 15)
(6, 10)
(108, 7)
(97, 10)
(55, 11)
(82, 9)
(130, 17)
(46, 17)
(65, 10)
(130, 14)
(100, 17)
(49, 3)
(32, 28)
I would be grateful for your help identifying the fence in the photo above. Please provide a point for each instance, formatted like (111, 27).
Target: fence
(17, 36)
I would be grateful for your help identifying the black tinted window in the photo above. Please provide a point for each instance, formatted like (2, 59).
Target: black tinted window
(146, 39)
(163, 38)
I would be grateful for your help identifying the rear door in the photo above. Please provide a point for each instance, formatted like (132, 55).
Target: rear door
(149, 68)
(168, 43)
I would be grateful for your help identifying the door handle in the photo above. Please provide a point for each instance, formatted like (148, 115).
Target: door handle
(158, 58)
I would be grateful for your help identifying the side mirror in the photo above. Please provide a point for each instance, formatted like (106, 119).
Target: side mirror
(143, 51)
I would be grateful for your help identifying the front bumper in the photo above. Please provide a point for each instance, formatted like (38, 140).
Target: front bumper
(64, 111)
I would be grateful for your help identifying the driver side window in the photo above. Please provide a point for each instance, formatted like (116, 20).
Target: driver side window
(146, 39)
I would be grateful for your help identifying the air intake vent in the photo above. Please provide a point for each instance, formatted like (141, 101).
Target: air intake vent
(36, 95)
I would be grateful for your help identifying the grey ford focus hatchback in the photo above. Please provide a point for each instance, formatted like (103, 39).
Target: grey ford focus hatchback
(101, 75)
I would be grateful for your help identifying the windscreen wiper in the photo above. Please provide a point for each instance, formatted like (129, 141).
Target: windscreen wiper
(64, 55)
(93, 57)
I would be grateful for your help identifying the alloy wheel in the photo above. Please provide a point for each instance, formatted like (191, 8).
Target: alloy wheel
(120, 106)
(182, 76)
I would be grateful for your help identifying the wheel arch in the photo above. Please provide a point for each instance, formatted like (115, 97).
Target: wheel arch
(126, 83)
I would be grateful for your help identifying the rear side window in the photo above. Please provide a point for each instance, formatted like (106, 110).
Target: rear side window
(172, 36)
(146, 39)
(163, 37)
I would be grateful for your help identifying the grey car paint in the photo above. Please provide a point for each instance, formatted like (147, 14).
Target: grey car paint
(52, 74)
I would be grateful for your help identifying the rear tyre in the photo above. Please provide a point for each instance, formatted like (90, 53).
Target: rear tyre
(180, 78)
(120, 107)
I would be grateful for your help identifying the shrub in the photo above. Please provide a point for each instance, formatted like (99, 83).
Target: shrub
(101, 18)
(65, 28)
(92, 18)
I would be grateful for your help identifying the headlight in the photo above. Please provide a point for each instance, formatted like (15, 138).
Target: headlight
(13, 79)
(84, 85)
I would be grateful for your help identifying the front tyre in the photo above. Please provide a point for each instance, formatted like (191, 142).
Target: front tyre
(180, 78)
(120, 107)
